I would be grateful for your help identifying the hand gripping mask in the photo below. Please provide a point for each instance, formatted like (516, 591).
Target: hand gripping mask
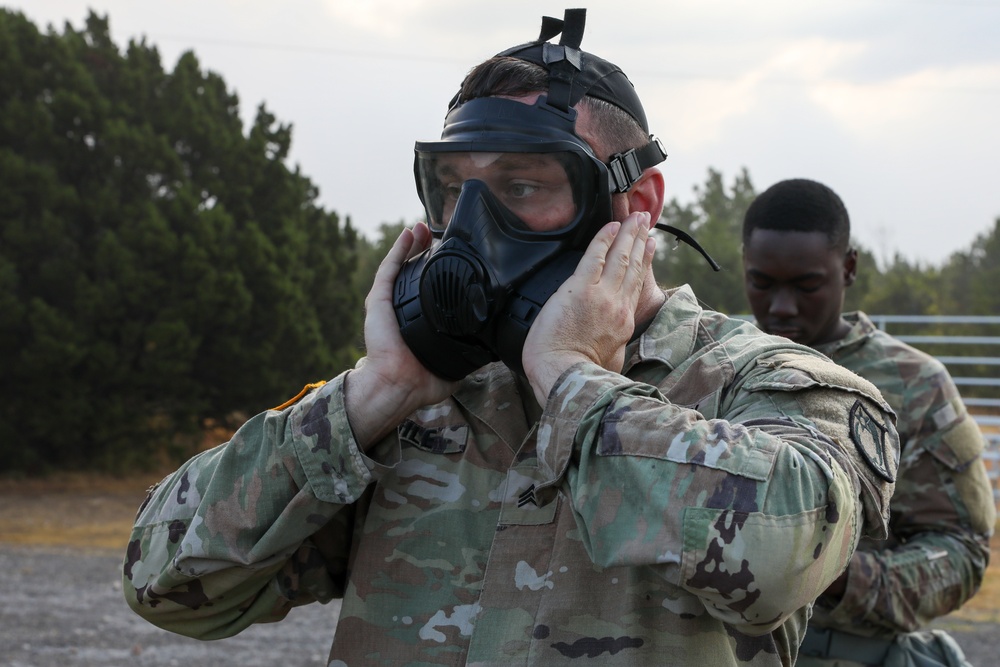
(513, 197)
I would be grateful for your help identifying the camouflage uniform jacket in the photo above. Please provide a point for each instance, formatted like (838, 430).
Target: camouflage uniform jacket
(942, 512)
(686, 512)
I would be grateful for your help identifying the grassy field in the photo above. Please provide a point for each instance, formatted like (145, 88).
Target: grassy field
(70, 510)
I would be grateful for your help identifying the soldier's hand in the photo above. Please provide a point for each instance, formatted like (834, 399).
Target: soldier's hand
(592, 315)
(391, 382)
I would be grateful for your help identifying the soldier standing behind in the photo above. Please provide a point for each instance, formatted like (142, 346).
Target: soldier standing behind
(798, 263)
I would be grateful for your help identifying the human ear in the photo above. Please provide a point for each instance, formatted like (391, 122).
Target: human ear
(647, 194)
(850, 266)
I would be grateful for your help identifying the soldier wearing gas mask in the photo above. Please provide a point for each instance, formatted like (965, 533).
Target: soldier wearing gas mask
(544, 456)
(516, 189)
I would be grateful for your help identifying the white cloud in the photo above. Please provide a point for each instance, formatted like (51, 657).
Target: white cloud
(383, 18)
(892, 102)
(911, 102)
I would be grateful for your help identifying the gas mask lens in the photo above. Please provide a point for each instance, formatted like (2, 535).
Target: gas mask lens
(541, 190)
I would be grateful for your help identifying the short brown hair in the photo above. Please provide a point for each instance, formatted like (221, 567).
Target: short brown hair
(513, 77)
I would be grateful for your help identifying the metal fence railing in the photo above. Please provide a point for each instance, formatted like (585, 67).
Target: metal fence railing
(969, 346)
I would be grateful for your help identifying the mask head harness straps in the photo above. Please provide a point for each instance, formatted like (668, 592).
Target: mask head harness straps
(602, 80)
(564, 60)
(574, 73)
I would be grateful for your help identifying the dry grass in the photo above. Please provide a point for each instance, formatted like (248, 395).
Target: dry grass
(80, 511)
(71, 510)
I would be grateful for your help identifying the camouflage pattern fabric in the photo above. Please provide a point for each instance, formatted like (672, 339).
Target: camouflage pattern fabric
(942, 512)
(684, 513)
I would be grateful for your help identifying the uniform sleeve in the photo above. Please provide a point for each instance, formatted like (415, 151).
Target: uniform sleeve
(942, 516)
(755, 514)
(245, 531)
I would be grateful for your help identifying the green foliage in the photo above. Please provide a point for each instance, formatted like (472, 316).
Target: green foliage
(715, 219)
(901, 288)
(969, 287)
(964, 285)
(160, 265)
(970, 279)
(371, 253)
(157, 265)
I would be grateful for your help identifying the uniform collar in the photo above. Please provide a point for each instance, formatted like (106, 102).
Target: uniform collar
(862, 328)
(670, 338)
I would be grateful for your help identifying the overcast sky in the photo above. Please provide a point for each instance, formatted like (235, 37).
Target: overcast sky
(892, 103)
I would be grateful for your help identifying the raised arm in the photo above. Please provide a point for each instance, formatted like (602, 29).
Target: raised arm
(245, 531)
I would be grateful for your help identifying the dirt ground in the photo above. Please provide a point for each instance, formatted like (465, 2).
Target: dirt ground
(61, 605)
(61, 544)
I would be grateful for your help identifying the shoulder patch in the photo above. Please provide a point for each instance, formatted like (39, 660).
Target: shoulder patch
(792, 371)
(869, 437)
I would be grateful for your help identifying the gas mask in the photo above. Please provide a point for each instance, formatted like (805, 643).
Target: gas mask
(513, 197)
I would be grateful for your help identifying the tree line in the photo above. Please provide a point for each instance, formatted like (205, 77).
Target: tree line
(963, 285)
(163, 268)
(157, 264)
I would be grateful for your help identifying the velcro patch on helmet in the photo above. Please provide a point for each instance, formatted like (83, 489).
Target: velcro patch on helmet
(869, 437)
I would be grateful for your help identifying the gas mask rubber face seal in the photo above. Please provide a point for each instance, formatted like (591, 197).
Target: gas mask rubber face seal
(514, 197)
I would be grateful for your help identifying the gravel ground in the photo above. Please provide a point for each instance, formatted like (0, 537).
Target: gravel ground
(64, 609)
(980, 641)
(60, 608)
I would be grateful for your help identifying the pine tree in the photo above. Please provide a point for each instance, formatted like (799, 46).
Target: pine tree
(158, 266)
(715, 220)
